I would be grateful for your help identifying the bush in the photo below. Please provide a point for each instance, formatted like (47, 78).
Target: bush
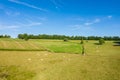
(83, 50)
(65, 39)
(26, 38)
(81, 41)
(101, 41)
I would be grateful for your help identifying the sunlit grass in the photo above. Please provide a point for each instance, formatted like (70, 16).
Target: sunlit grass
(15, 73)
(101, 62)
(58, 46)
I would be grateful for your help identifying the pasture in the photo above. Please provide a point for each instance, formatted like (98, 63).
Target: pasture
(58, 60)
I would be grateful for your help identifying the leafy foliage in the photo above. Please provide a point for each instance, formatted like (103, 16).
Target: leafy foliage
(65, 39)
(101, 41)
(62, 37)
(82, 41)
(24, 36)
(4, 36)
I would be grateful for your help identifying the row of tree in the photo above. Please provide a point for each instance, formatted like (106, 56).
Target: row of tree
(61, 37)
(4, 36)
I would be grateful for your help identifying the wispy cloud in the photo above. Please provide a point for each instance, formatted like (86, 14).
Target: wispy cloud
(42, 18)
(88, 23)
(81, 27)
(76, 26)
(56, 3)
(109, 17)
(86, 26)
(28, 5)
(2, 27)
(19, 25)
(92, 22)
(9, 11)
(31, 24)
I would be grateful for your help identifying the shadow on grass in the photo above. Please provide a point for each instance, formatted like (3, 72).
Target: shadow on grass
(116, 43)
(23, 49)
(96, 43)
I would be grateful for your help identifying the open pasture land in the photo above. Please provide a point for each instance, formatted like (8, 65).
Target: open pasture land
(101, 62)
(40, 45)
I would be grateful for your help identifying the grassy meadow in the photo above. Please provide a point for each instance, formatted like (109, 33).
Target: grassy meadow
(58, 60)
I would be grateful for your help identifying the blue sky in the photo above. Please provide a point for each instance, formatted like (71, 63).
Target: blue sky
(63, 17)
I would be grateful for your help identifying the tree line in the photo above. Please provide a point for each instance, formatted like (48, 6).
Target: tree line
(4, 36)
(61, 37)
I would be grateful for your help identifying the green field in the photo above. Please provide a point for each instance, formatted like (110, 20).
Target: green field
(58, 60)
(40, 45)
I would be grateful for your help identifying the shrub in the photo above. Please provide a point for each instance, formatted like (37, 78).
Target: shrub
(81, 41)
(26, 38)
(101, 41)
(83, 50)
(65, 39)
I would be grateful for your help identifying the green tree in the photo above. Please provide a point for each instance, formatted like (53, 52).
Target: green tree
(20, 36)
(26, 37)
(101, 41)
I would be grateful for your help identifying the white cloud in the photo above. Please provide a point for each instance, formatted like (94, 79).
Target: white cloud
(88, 23)
(28, 5)
(19, 25)
(12, 27)
(11, 13)
(42, 18)
(109, 17)
(97, 20)
(2, 27)
(56, 3)
(81, 27)
(32, 24)
(92, 22)
(76, 26)
(86, 26)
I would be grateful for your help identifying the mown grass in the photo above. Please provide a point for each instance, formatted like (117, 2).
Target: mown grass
(101, 62)
(15, 73)
(58, 46)
(18, 44)
(65, 47)
(23, 49)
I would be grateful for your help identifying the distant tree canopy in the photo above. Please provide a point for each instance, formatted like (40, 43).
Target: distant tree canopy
(62, 37)
(24, 36)
(4, 36)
